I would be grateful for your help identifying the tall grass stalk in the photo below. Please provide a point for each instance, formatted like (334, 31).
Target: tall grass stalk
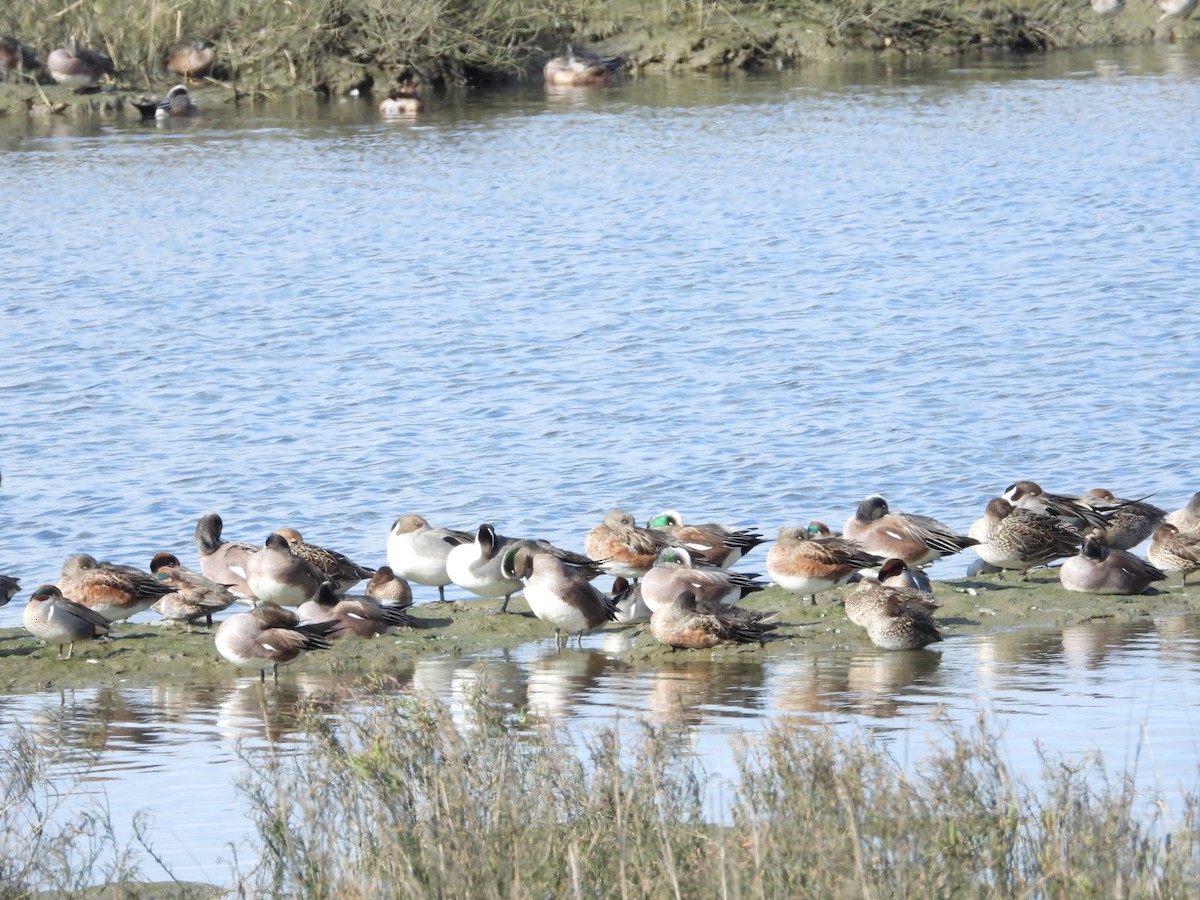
(402, 801)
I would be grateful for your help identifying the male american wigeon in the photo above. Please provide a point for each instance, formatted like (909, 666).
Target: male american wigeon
(806, 563)
(276, 574)
(558, 592)
(400, 102)
(77, 67)
(722, 545)
(476, 566)
(178, 104)
(192, 597)
(52, 618)
(190, 59)
(1099, 569)
(686, 624)
(622, 547)
(913, 538)
(15, 56)
(417, 551)
(1129, 521)
(1010, 537)
(1173, 551)
(675, 570)
(360, 617)
(337, 567)
(894, 618)
(223, 561)
(1187, 519)
(269, 636)
(579, 68)
(115, 591)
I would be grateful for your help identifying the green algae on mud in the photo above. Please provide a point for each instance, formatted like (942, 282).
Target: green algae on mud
(143, 653)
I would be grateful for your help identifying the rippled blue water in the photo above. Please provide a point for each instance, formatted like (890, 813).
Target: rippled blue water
(753, 300)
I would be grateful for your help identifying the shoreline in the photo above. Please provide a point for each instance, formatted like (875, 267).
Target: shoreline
(147, 652)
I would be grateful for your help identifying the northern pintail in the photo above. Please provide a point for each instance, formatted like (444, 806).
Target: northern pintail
(476, 566)
(1173, 551)
(559, 593)
(1129, 521)
(51, 617)
(684, 624)
(1068, 508)
(1187, 519)
(915, 539)
(805, 563)
(344, 572)
(115, 591)
(417, 551)
(1014, 538)
(1099, 569)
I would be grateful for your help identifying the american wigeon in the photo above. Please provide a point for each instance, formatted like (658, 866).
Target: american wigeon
(684, 624)
(115, 591)
(389, 589)
(223, 561)
(559, 593)
(1173, 551)
(1187, 519)
(361, 617)
(192, 595)
(915, 539)
(337, 567)
(9, 586)
(278, 575)
(15, 56)
(417, 551)
(1014, 538)
(675, 570)
(1175, 9)
(894, 618)
(401, 101)
(178, 104)
(269, 636)
(624, 549)
(1070, 509)
(580, 68)
(807, 565)
(1129, 521)
(79, 68)
(191, 59)
(476, 566)
(52, 618)
(721, 545)
(1099, 569)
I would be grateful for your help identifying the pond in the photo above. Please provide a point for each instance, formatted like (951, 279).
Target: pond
(755, 300)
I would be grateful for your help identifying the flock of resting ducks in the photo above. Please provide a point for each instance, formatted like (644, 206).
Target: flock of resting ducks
(674, 575)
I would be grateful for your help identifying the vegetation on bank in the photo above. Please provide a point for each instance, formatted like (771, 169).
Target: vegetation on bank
(336, 45)
(407, 798)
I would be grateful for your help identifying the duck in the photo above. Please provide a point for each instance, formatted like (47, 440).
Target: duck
(192, 595)
(917, 540)
(894, 618)
(475, 566)
(9, 587)
(389, 588)
(79, 68)
(579, 68)
(675, 570)
(223, 561)
(360, 617)
(1011, 537)
(721, 545)
(1187, 519)
(1101, 569)
(559, 593)
(192, 60)
(417, 551)
(115, 591)
(1173, 551)
(897, 573)
(51, 617)
(269, 636)
(276, 574)
(401, 101)
(1107, 9)
(15, 56)
(1175, 9)
(622, 548)
(178, 104)
(1070, 509)
(683, 624)
(344, 572)
(803, 561)
(628, 599)
(1129, 522)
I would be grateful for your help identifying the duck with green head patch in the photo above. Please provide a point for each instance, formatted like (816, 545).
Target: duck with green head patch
(675, 570)
(721, 545)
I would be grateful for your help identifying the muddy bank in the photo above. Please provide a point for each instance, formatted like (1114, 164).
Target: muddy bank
(145, 652)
